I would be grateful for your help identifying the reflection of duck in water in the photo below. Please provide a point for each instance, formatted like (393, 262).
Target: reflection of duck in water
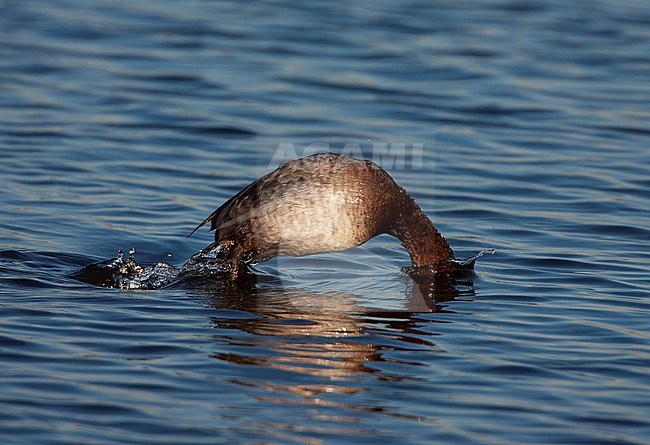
(323, 203)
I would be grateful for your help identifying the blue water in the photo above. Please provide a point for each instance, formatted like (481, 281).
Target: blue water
(520, 126)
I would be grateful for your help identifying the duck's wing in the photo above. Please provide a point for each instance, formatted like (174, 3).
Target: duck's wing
(246, 203)
(224, 209)
(203, 223)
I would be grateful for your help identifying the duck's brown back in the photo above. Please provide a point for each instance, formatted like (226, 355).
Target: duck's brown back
(321, 203)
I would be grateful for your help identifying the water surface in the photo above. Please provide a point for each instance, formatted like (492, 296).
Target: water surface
(126, 123)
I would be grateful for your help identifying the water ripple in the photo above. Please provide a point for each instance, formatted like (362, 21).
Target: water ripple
(125, 124)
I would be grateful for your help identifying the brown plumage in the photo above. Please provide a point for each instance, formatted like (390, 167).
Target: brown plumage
(323, 203)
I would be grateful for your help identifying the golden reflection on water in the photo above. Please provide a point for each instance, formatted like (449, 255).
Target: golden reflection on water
(327, 336)
(308, 334)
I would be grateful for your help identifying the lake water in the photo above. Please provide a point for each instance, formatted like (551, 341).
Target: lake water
(517, 125)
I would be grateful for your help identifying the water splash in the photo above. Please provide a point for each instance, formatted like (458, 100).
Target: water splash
(210, 261)
(126, 273)
(454, 266)
(470, 261)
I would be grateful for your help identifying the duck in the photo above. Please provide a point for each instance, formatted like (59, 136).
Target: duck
(323, 203)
